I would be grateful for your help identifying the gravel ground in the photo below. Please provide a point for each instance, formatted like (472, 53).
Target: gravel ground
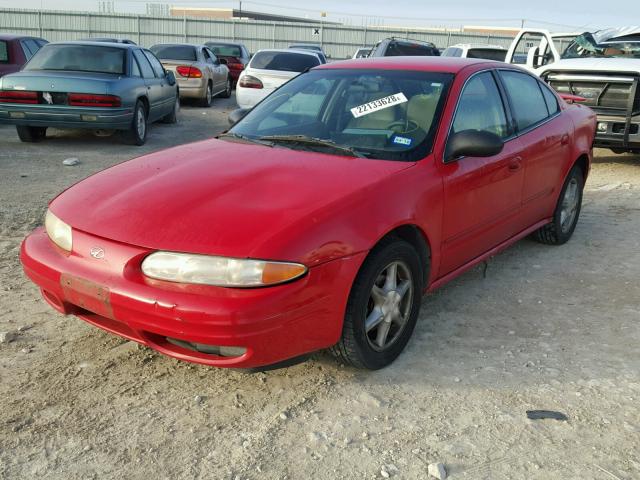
(553, 328)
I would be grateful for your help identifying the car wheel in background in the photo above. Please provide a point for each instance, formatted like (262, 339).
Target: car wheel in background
(137, 134)
(383, 306)
(565, 216)
(208, 97)
(227, 90)
(173, 116)
(31, 134)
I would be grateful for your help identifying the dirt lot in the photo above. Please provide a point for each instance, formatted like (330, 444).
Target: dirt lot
(548, 328)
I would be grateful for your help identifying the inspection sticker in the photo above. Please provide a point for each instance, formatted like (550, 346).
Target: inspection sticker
(379, 104)
(402, 141)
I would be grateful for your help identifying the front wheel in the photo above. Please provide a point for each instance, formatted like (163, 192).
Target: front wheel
(383, 307)
(31, 134)
(565, 216)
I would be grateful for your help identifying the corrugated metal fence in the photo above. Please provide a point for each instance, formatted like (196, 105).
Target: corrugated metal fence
(339, 41)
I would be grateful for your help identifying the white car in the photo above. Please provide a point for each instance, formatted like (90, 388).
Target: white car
(268, 69)
(468, 50)
(362, 52)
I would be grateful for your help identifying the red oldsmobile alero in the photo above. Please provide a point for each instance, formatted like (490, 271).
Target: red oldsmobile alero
(322, 216)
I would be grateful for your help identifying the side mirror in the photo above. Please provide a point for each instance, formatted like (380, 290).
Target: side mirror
(237, 115)
(473, 143)
(171, 78)
(222, 61)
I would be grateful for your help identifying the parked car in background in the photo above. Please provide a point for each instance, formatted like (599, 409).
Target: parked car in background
(89, 85)
(312, 48)
(467, 50)
(321, 218)
(602, 68)
(236, 55)
(362, 52)
(16, 50)
(109, 40)
(270, 68)
(200, 74)
(401, 47)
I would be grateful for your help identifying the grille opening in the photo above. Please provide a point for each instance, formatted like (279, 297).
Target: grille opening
(218, 350)
(619, 128)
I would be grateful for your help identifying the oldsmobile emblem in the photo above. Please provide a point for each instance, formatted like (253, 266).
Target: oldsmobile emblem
(97, 252)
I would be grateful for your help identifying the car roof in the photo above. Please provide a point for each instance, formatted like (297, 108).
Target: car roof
(477, 45)
(124, 46)
(13, 36)
(426, 64)
(288, 50)
(224, 42)
(179, 44)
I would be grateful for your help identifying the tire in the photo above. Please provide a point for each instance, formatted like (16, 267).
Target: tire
(173, 116)
(567, 212)
(208, 97)
(386, 307)
(137, 133)
(227, 90)
(31, 134)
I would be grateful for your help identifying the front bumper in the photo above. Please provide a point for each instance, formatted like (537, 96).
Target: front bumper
(273, 324)
(616, 134)
(66, 117)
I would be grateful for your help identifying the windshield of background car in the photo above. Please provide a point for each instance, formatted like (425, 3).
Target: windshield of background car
(381, 114)
(79, 58)
(175, 52)
(401, 49)
(487, 54)
(225, 50)
(4, 52)
(621, 47)
(284, 61)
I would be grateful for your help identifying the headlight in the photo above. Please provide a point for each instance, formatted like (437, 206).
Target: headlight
(219, 271)
(58, 231)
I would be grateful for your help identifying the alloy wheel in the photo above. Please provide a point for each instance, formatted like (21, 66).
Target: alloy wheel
(569, 205)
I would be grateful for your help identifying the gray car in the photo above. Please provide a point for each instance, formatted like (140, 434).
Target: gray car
(90, 85)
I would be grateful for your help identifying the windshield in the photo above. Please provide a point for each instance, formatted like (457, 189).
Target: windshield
(79, 58)
(284, 61)
(4, 52)
(175, 52)
(225, 50)
(390, 115)
(401, 49)
(487, 54)
(585, 45)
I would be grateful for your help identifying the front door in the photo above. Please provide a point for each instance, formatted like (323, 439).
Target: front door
(482, 196)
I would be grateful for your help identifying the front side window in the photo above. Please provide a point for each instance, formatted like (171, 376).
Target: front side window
(481, 108)
(390, 115)
(79, 58)
(4, 52)
(529, 106)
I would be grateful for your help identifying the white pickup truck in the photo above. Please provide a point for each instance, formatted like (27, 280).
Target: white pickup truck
(601, 67)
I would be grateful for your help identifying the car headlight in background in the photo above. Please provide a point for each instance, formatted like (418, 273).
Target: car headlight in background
(58, 231)
(219, 271)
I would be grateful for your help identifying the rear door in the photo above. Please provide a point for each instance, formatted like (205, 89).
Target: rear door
(545, 136)
(218, 71)
(154, 87)
(167, 92)
(482, 196)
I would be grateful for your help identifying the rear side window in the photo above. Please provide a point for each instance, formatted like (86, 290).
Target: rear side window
(529, 106)
(79, 58)
(4, 52)
(487, 54)
(452, 52)
(401, 49)
(480, 107)
(175, 52)
(284, 61)
(135, 69)
(155, 64)
(550, 99)
(145, 66)
(226, 50)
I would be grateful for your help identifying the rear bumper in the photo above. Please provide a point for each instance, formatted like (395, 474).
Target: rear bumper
(66, 117)
(616, 134)
(192, 87)
(250, 97)
(273, 324)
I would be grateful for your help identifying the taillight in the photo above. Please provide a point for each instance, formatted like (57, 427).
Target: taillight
(18, 96)
(235, 66)
(89, 100)
(189, 72)
(250, 82)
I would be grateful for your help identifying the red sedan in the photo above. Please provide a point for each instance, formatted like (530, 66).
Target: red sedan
(322, 216)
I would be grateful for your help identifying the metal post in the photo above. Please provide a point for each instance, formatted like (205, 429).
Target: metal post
(139, 32)
(274, 35)
(233, 34)
(184, 26)
(364, 43)
(89, 25)
(448, 38)
(40, 23)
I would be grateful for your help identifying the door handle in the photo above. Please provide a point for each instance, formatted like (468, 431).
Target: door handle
(565, 139)
(515, 164)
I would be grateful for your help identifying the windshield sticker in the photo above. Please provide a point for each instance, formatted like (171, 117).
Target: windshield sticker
(402, 141)
(379, 104)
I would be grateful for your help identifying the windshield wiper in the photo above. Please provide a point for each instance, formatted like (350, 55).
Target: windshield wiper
(238, 136)
(303, 140)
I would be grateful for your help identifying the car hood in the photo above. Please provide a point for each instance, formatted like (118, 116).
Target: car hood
(618, 65)
(221, 198)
